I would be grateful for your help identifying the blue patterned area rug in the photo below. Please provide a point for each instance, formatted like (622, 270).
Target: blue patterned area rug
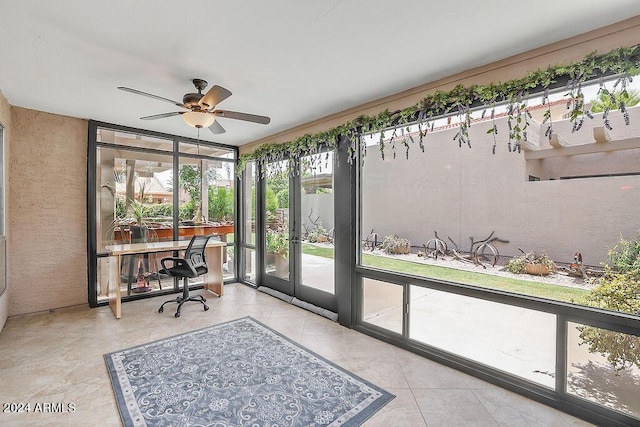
(239, 373)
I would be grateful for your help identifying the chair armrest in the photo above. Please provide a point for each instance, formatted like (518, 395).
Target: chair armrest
(178, 262)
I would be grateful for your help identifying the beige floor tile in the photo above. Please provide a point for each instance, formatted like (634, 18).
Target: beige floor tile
(57, 357)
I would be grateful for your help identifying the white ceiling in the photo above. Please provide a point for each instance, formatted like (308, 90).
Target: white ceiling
(292, 60)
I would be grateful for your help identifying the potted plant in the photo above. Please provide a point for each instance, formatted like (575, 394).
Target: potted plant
(278, 245)
(537, 264)
(138, 230)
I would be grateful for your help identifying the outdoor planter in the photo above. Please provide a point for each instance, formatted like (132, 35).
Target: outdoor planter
(536, 269)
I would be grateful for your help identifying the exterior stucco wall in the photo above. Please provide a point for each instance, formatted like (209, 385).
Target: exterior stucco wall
(5, 120)
(320, 207)
(47, 194)
(463, 192)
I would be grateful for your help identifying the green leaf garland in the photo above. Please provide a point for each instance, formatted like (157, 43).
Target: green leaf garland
(624, 61)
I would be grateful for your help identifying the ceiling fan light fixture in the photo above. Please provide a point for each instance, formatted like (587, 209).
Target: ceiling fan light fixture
(198, 119)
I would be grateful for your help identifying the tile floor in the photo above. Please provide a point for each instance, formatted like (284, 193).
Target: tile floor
(56, 357)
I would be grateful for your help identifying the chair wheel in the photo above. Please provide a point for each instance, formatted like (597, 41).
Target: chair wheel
(206, 307)
(161, 309)
(177, 314)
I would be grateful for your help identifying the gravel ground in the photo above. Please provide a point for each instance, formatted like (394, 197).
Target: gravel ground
(559, 278)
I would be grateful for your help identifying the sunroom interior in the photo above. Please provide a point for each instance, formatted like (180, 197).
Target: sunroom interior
(390, 248)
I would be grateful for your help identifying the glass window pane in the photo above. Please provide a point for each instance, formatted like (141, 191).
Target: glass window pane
(467, 214)
(603, 367)
(110, 136)
(220, 182)
(317, 215)
(203, 149)
(249, 203)
(134, 204)
(190, 180)
(513, 339)
(382, 304)
(249, 272)
(133, 189)
(277, 220)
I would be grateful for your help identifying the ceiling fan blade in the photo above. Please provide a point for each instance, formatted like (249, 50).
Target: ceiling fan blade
(138, 92)
(213, 97)
(162, 116)
(242, 116)
(216, 128)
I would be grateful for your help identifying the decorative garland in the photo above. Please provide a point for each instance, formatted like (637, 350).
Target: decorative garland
(624, 62)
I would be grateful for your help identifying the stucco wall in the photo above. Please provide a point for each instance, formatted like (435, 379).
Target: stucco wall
(5, 120)
(47, 219)
(463, 192)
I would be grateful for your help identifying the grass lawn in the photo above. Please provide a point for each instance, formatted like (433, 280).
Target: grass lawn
(527, 287)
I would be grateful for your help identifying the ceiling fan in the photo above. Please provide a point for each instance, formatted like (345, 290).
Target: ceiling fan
(201, 112)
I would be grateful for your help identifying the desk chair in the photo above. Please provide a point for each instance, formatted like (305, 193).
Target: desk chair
(192, 265)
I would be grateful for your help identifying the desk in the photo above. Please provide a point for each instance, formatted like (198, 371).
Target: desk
(213, 280)
(163, 233)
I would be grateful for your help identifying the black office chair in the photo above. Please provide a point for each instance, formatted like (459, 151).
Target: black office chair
(192, 265)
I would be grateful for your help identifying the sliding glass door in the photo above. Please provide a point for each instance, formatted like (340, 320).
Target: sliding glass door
(298, 212)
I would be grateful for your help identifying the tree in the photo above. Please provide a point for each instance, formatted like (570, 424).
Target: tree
(283, 198)
(271, 201)
(220, 203)
(190, 181)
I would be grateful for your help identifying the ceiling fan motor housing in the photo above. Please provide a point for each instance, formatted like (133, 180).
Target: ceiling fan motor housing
(190, 100)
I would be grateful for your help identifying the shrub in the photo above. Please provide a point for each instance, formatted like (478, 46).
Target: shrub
(277, 242)
(317, 234)
(186, 210)
(625, 257)
(395, 245)
(159, 210)
(619, 292)
(518, 265)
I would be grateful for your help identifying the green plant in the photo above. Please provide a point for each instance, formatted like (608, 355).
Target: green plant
(624, 61)
(138, 211)
(121, 207)
(220, 203)
(625, 256)
(277, 242)
(283, 198)
(619, 292)
(271, 200)
(315, 232)
(186, 210)
(518, 265)
(159, 210)
(614, 100)
(395, 245)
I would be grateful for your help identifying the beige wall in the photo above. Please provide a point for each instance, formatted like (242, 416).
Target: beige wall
(5, 120)
(47, 216)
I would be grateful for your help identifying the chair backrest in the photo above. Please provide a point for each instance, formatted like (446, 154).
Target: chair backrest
(195, 251)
